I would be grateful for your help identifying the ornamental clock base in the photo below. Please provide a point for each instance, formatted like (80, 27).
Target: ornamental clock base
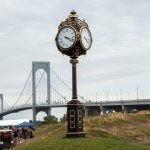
(75, 135)
(75, 119)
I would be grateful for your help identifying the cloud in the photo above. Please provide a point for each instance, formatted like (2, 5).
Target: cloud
(118, 58)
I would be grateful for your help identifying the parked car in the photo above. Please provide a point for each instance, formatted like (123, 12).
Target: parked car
(134, 111)
(110, 111)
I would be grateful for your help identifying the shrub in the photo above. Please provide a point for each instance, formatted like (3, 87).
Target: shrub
(50, 120)
(64, 118)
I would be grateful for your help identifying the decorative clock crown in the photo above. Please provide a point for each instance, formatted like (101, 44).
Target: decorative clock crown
(73, 21)
(73, 14)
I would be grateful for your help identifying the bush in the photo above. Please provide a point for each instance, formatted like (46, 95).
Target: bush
(64, 118)
(50, 120)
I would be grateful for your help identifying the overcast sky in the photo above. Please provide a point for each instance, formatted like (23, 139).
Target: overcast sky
(118, 58)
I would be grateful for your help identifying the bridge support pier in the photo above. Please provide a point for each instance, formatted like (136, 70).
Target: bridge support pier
(34, 115)
(85, 112)
(102, 109)
(92, 111)
(125, 109)
(1, 97)
(46, 67)
(47, 110)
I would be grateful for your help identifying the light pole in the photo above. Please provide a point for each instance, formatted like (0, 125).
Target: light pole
(1, 97)
(107, 96)
(121, 94)
(74, 39)
(137, 93)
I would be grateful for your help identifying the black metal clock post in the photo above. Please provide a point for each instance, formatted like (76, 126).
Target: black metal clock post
(75, 108)
(74, 78)
(72, 42)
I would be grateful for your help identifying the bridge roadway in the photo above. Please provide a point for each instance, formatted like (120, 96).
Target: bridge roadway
(97, 107)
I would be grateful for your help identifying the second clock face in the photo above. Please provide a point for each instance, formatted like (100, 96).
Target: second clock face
(86, 39)
(66, 37)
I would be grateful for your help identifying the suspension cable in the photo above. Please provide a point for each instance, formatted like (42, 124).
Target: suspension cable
(21, 91)
(42, 75)
(64, 82)
(60, 79)
(58, 93)
(6, 103)
(55, 90)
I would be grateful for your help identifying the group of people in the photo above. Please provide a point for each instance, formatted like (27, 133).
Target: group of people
(10, 137)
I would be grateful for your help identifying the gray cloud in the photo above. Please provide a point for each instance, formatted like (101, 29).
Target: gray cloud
(119, 57)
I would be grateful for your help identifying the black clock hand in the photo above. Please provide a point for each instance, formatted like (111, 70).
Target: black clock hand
(71, 40)
(86, 39)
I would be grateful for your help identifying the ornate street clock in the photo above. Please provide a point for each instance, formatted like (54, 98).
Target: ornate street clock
(74, 39)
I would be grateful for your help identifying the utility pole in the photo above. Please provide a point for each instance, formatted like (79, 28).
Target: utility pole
(96, 96)
(137, 93)
(107, 96)
(121, 95)
(128, 95)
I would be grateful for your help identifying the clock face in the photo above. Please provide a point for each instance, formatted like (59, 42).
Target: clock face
(86, 38)
(66, 37)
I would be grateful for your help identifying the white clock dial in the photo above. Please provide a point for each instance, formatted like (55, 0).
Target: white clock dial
(86, 39)
(66, 37)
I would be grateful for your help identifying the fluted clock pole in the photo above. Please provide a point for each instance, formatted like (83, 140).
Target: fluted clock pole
(74, 78)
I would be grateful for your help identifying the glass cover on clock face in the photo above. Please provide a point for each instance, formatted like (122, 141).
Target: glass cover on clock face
(66, 37)
(86, 38)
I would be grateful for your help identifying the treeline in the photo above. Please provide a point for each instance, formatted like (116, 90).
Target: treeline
(53, 119)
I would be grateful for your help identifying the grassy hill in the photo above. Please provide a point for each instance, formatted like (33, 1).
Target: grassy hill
(109, 132)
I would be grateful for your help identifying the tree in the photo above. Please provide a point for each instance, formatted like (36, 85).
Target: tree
(64, 118)
(50, 119)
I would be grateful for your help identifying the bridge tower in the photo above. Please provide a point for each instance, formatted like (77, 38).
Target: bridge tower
(1, 100)
(46, 67)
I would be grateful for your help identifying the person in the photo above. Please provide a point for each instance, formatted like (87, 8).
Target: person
(19, 135)
(31, 134)
(24, 133)
(15, 137)
(6, 138)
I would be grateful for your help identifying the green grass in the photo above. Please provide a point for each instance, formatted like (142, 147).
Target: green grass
(93, 143)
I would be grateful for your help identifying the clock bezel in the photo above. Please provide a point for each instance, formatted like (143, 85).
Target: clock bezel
(57, 42)
(82, 40)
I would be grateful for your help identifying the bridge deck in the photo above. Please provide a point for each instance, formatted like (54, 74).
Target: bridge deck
(87, 104)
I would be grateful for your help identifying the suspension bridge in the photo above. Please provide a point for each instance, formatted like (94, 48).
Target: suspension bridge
(44, 90)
